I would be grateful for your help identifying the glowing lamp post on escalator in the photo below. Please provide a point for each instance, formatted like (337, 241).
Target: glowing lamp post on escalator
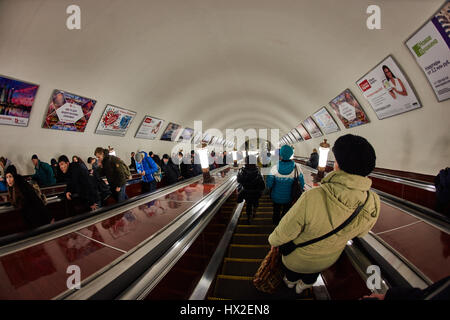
(235, 158)
(323, 157)
(204, 162)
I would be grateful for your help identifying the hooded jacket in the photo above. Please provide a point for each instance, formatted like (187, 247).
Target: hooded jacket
(44, 174)
(171, 173)
(115, 170)
(253, 183)
(148, 165)
(81, 183)
(280, 181)
(320, 210)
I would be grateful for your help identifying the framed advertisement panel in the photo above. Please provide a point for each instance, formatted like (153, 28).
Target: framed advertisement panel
(325, 121)
(348, 110)
(186, 135)
(171, 132)
(68, 112)
(430, 46)
(149, 128)
(291, 135)
(305, 135)
(312, 128)
(115, 121)
(387, 90)
(297, 135)
(16, 101)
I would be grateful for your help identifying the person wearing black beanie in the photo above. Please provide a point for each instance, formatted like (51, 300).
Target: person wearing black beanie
(354, 155)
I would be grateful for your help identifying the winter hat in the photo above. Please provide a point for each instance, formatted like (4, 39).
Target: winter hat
(286, 152)
(354, 155)
(138, 157)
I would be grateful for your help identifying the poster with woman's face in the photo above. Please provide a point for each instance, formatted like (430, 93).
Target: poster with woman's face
(312, 128)
(68, 112)
(305, 135)
(150, 127)
(186, 135)
(387, 90)
(171, 132)
(348, 110)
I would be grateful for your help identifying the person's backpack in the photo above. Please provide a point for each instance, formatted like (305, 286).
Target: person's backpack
(39, 193)
(124, 168)
(442, 184)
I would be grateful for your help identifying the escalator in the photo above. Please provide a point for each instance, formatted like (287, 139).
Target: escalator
(247, 249)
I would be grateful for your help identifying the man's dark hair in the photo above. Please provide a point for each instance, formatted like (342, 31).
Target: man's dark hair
(100, 150)
(34, 157)
(63, 158)
(90, 159)
(3, 160)
(180, 153)
(166, 156)
(354, 155)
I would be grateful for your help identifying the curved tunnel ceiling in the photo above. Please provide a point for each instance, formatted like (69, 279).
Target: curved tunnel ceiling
(264, 64)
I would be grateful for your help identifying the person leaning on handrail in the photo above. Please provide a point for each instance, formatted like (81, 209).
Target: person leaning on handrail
(320, 210)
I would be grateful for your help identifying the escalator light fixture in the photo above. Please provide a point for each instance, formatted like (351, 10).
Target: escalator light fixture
(234, 155)
(323, 153)
(203, 155)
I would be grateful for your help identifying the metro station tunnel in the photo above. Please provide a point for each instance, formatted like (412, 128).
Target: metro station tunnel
(273, 151)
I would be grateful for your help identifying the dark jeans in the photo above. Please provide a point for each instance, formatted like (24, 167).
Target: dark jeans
(307, 278)
(121, 195)
(148, 186)
(279, 210)
(251, 204)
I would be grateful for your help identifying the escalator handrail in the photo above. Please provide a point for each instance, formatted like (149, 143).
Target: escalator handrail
(138, 262)
(20, 241)
(392, 178)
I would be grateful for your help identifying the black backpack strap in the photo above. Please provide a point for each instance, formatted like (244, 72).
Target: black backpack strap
(342, 226)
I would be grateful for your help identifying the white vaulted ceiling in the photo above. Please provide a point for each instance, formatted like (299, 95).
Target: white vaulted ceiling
(232, 64)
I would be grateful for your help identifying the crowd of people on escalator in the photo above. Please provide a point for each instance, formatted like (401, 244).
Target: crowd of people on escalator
(90, 184)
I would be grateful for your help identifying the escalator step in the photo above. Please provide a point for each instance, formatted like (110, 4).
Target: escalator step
(240, 288)
(266, 229)
(244, 238)
(248, 251)
(256, 221)
(241, 267)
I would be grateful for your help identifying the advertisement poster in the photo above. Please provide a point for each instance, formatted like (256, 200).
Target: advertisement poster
(149, 128)
(186, 135)
(305, 135)
(387, 90)
(312, 127)
(348, 110)
(115, 121)
(297, 135)
(16, 101)
(291, 135)
(325, 121)
(171, 132)
(430, 46)
(68, 112)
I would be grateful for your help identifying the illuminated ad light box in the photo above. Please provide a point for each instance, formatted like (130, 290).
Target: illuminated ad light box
(115, 121)
(305, 135)
(348, 110)
(430, 46)
(297, 135)
(207, 138)
(16, 100)
(197, 138)
(171, 132)
(387, 90)
(68, 112)
(186, 135)
(291, 135)
(325, 121)
(149, 128)
(312, 128)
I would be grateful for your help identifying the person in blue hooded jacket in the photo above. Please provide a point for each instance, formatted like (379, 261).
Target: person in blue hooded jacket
(280, 180)
(146, 167)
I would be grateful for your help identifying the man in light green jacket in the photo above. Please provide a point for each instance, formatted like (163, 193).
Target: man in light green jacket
(322, 209)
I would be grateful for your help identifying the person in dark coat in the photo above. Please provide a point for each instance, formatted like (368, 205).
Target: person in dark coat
(252, 185)
(59, 176)
(196, 166)
(116, 172)
(132, 166)
(102, 187)
(79, 184)
(27, 199)
(43, 172)
(313, 161)
(171, 173)
(186, 167)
